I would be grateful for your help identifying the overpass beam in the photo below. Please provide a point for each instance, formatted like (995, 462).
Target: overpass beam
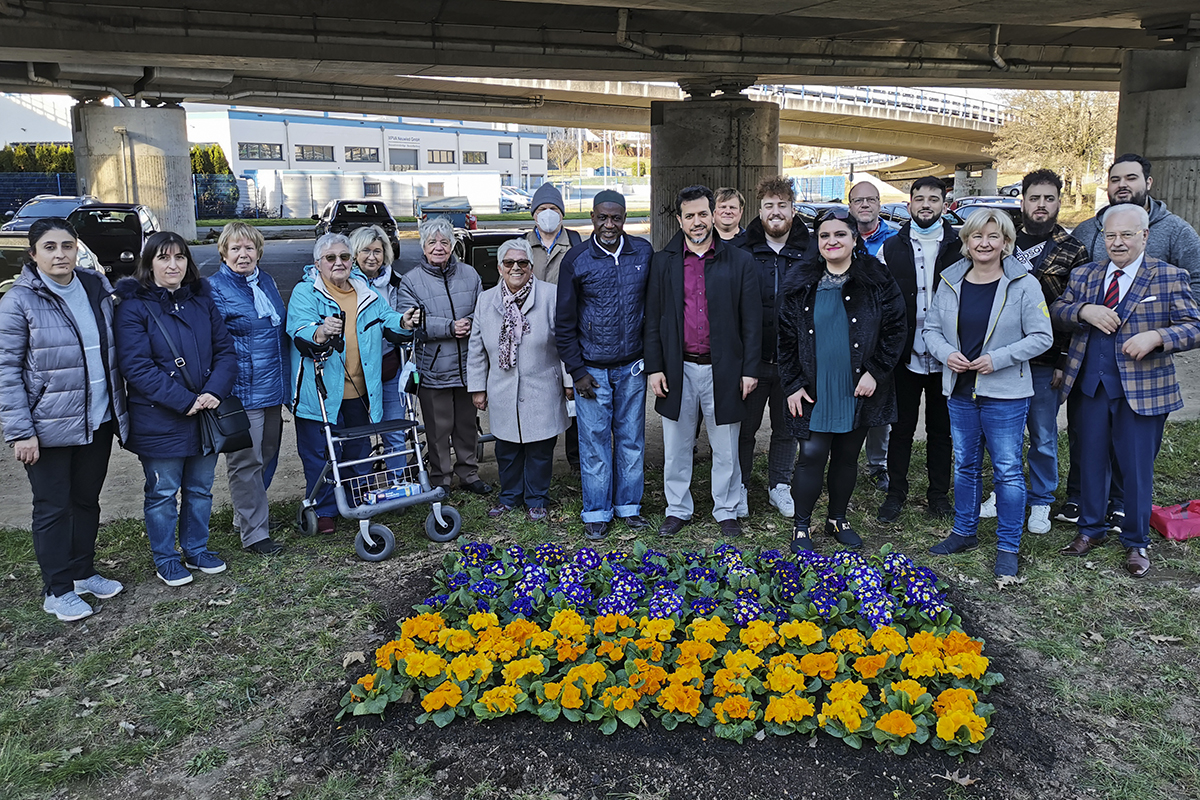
(972, 180)
(137, 155)
(723, 141)
(1159, 118)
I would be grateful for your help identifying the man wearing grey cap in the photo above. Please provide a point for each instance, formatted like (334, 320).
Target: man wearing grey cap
(601, 307)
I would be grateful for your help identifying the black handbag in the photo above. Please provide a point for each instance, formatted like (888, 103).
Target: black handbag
(224, 429)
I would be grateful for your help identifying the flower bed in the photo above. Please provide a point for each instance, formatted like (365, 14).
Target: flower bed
(859, 647)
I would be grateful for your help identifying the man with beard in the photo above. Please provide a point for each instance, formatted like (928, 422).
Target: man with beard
(865, 207)
(1050, 253)
(728, 216)
(598, 328)
(549, 243)
(916, 256)
(777, 240)
(703, 330)
(1171, 239)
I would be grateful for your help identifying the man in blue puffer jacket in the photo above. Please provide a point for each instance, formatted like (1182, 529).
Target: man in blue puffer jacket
(601, 308)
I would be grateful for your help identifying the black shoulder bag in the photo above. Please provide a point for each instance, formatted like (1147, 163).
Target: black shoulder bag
(223, 429)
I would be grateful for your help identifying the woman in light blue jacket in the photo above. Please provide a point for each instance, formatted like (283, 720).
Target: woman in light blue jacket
(988, 319)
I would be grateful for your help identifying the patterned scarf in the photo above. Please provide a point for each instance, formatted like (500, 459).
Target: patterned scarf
(513, 325)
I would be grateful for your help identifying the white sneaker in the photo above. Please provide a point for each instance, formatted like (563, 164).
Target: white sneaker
(988, 509)
(103, 588)
(67, 608)
(781, 497)
(1039, 519)
(743, 509)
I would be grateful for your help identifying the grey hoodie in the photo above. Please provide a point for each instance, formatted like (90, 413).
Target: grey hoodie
(1171, 240)
(1018, 330)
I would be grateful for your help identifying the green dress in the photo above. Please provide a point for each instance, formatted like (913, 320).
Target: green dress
(834, 384)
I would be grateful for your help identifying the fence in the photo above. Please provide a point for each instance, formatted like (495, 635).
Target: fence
(895, 97)
(820, 188)
(216, 196)
(17, 187)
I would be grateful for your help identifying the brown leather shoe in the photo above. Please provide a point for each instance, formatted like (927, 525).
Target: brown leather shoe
(1137, 561)
(1082, 545)
(672, 526)
(730, 528)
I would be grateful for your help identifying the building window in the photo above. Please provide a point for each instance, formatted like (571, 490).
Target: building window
(535, 151)
(437, 190)
(363, 154)
(371, 189)
(441, 156)
(536, 181)
(255, 151)
(314, 152)
(506, 179)
(505, 150)
(402, 159)
(474, 157)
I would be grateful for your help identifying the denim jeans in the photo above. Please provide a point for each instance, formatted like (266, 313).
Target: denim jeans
(612, 443)
(1002, 424)
(310, 443)
(192, 477)
(1043, 437)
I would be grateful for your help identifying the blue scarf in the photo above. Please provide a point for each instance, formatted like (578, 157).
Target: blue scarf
(262, 303)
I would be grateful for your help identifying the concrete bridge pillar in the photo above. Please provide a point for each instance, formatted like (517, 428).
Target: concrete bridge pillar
(137, 155)
(1159, 118)
(723, 141)
(973, 180)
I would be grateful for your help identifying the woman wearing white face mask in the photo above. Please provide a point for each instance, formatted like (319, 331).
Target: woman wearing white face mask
(549, 241)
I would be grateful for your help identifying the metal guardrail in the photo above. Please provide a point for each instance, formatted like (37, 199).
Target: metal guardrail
(922, 100)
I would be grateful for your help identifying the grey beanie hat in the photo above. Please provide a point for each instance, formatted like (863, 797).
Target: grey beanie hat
(547, 193)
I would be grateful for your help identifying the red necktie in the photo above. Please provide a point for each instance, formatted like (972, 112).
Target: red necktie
(1113, 295)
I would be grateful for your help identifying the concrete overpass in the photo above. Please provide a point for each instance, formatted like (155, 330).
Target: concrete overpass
(358, 53)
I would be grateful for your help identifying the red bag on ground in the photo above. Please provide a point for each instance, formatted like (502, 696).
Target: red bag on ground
(1176, 523)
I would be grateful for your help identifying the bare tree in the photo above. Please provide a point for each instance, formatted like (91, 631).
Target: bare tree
(561, 147)
(1069, 132)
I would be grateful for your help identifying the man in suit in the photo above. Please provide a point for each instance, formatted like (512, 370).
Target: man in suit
(1127, 315)
(703, 344)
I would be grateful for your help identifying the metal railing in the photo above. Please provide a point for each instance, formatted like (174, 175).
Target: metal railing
(908, 99)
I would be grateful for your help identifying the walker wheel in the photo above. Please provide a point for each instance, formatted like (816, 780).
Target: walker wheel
(382, 543)
(447, 532)
(306, 521)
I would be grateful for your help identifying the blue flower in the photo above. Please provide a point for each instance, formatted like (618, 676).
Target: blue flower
(437, 601)
(746, 610)
(496, 568)
(664, 603)
(486, 587)
(703, 606)
(458, 579)
(522, 606)
(516, 554)
(615, 556)
(483, 605)
(617, 603)
(474, 554)
(780, 614)
(549, 554)
(587, 558)
(703, 574)
(654, 564)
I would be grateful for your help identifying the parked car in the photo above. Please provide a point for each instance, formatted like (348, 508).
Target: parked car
(974, 200)
(1012, 190)
(115, 232)
(40, 207)
(456, 209)
(14, 254)
(514, 199)
(1012, 209)
(809, 211)
(347, 216)
(897, 214)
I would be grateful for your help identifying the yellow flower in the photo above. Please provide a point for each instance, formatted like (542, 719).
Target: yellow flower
(611, 623)
(687, 674)
(454, 640)
(552, 689)
(955, 700)
(849, 713)
(420, 664)
(784, 660)
(897, 723)
(659, 629)
(482, 620)
(567, 650)
(805, 632)
(680, 699)
(725, 683)
(521, 631)
(515, 670)
(823, 664)
(652, 647)
(502, 699)
(848, 639)
(695, 651)
(963, 665)
(742, 661)
(367, 681)
(393, 651)
(542, 640)
(888, 639)
(784, 679)
(590, 674)
(425, 627)
(949, 725)
(925, 642)
(758, 635)
(869, 666)
(854, 691)
(619, 698)
(922, 665)
(448, 695)
(494, 645)
(709, 630)
(613, 650)
(569, 625)
(958, 642)
(911, 688)
(789, 707)
(466, 666)
(736, 706)
(647, 678)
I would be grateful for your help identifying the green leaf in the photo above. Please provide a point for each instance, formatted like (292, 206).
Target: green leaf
(668, 721)
(443, 717)
(630, 717)
(572, 714)
(548, 712)
(609, 726)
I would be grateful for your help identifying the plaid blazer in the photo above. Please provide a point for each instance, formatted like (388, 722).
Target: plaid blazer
(1159, 299)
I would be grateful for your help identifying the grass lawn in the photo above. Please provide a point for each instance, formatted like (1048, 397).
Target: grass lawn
(228, 686)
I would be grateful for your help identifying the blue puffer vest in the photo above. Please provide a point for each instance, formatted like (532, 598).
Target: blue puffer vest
(264, 355)
(610, 298)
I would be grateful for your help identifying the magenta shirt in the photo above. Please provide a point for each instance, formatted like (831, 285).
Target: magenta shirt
(695, 302)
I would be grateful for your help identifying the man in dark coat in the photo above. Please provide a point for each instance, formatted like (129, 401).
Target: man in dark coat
(699, 286)
(776, 239)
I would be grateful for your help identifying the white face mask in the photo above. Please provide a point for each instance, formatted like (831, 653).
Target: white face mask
(548, 220)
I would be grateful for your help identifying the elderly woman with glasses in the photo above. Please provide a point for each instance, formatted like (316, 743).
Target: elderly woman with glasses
(514, 373)
(337, 311)
(446, 290)
(841, 333)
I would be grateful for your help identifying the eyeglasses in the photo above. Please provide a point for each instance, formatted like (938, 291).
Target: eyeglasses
(864, 201)
(333, 258)
(509, 264)
(1124, 236)
(831, 213)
